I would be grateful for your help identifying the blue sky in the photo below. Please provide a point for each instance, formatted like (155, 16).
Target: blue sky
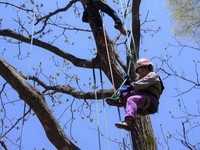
(84, 131)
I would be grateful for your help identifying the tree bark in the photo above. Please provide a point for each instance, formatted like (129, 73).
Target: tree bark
(135, 44)
(142, 134)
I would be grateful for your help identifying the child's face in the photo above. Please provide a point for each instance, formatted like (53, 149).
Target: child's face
(142, 71)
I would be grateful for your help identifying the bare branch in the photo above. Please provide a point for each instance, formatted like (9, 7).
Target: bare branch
(18, 7)
(76, 61)
(47, 17)
(67, 89)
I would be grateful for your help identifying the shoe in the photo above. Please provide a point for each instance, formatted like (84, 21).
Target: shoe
(127, 124)
(124, 125)
(120, 27)
(115, 102)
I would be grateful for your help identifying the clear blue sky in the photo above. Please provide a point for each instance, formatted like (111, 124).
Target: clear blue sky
(84, 131)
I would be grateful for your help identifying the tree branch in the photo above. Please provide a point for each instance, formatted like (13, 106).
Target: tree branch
(76, 61)
(36, 101)
(67, 89)
(46, 17)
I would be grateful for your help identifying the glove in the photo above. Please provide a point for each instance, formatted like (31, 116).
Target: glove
(125, 89)
(126, 76)
(128, 80)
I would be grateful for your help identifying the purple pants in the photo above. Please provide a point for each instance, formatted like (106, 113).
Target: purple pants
(135, 101)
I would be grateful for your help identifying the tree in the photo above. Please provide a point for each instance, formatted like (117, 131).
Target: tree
(44, 24)
(185, 16)
(43, 91)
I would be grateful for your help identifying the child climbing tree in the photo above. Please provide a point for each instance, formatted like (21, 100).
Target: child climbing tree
(141, 96)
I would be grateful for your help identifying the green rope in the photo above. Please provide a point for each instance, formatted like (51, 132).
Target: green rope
(116, 94)
(128, 52)
(131, 61)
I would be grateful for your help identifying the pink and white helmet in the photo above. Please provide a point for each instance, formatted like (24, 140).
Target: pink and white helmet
(142, 62)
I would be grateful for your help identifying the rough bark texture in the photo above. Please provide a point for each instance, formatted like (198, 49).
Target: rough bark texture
(36, 101)
(142, 134)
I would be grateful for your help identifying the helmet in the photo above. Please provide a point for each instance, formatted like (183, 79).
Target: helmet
(142, 62)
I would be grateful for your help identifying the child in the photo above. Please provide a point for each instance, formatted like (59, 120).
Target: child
(141, 96)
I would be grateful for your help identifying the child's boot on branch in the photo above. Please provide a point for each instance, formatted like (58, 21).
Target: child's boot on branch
(127, 124)
(115, 102)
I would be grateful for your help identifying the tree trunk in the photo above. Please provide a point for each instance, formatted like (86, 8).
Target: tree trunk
(142, 134)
